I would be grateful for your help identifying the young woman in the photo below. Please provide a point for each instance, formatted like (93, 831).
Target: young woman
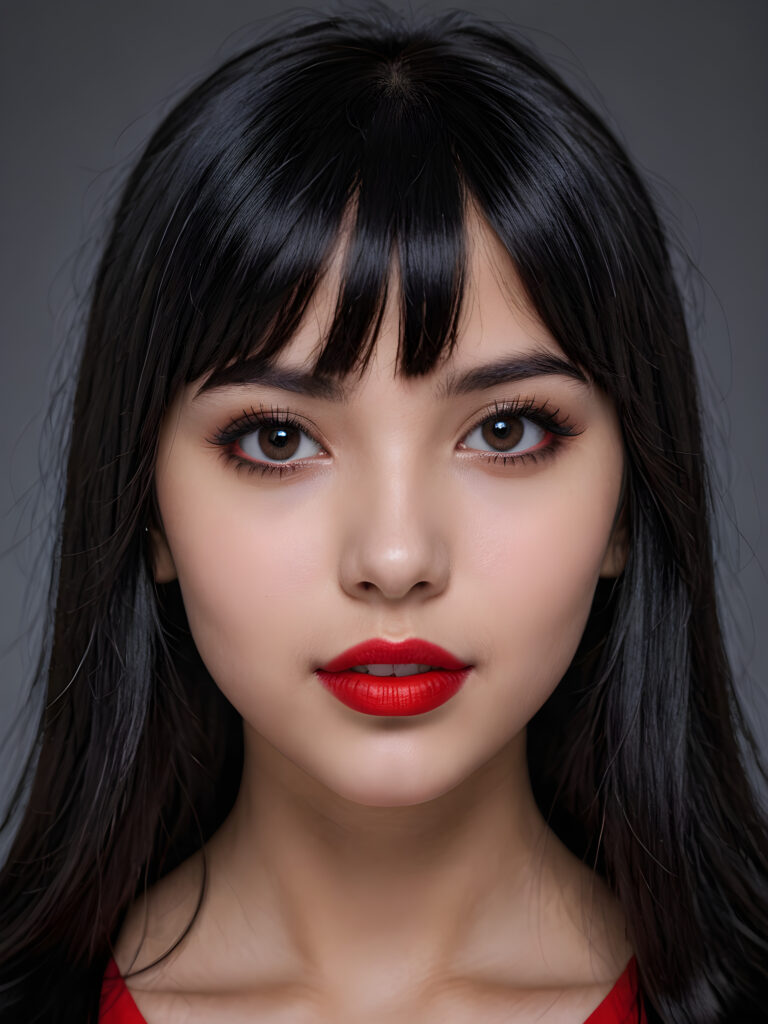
(385, 678)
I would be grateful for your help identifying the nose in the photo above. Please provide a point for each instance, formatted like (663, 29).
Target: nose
(394, 543)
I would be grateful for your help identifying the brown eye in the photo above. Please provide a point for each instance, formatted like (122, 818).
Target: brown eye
(504, 434)
(277, 442)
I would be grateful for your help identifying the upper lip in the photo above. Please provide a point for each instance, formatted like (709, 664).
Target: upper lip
(383, 652)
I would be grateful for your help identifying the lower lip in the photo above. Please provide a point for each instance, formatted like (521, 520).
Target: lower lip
(393, 695)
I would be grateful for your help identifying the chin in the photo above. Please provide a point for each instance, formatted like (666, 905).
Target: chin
(402, 784)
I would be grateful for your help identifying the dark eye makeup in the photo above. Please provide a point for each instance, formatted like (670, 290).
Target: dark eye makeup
(503, 422)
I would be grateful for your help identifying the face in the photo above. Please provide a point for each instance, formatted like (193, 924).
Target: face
(479, 521)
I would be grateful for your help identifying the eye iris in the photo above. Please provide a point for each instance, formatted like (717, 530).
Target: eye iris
(508, 430)
(278, 439)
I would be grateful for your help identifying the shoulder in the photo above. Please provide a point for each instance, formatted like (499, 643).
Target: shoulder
(157, 918)
(179, 963)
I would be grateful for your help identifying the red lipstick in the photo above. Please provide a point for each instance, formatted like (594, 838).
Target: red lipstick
(411, 694)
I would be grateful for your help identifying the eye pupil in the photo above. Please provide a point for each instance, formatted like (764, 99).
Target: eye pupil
(278, 437)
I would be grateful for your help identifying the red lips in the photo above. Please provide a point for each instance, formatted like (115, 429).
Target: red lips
(382, 652)
(394, 695)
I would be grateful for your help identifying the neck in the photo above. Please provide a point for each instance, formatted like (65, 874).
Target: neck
(356, 885)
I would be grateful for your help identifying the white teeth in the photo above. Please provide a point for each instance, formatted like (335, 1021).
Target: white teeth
(392, 670)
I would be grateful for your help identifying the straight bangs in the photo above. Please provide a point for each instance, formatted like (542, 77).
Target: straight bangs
(382, 144)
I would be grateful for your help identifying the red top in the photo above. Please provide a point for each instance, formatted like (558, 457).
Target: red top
(618, 1007)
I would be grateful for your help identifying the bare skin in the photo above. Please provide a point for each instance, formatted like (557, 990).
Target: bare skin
(387, 869)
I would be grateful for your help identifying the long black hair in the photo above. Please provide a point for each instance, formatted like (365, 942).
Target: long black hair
(223, 230)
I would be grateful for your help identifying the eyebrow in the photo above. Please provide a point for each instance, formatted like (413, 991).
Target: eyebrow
(507, 370)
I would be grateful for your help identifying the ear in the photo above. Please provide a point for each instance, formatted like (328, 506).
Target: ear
(615, 557)
(162, 559)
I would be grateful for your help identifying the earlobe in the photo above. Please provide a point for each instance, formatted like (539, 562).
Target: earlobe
(162, 560)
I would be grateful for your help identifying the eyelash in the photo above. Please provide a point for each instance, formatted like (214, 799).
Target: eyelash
(556, 425)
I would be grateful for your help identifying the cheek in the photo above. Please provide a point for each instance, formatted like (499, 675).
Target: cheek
(534, 561)
(248, 563)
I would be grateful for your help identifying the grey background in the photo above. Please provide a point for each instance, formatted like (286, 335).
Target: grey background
(683, 82)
